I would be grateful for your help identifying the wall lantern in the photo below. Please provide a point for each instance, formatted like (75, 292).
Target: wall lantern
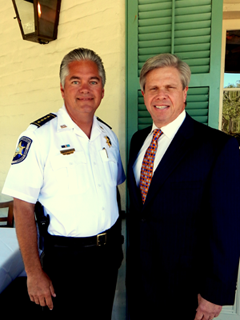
(38, 19)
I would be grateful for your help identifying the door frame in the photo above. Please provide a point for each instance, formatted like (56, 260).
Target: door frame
(228, 312)
(227, 24)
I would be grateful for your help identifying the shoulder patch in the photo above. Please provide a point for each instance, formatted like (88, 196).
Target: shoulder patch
(104, 123)
(40, 122)
(21, 152)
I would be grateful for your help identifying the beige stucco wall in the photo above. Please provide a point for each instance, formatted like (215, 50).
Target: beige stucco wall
(29, 83)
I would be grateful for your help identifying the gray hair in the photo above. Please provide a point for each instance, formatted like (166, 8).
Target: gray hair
(78, 55)
(166, 60)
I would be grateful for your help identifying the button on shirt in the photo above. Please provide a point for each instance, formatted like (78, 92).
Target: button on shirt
(164, 141)
(77, 189)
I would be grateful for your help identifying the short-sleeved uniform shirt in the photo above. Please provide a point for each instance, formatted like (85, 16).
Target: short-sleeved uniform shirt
(73, 177)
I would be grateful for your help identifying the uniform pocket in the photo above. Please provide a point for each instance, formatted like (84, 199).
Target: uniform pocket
(71, 172)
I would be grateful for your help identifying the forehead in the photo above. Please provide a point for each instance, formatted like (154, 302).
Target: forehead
(83, 67)
(163, 74)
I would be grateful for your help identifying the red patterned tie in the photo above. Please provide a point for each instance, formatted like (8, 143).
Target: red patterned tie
(147, 164)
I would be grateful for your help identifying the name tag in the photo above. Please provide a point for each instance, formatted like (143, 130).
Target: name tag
(68, 151)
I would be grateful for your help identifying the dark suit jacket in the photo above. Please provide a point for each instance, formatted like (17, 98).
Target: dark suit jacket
(185, 239)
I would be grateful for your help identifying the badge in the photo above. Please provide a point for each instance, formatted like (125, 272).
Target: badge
(22, 150)
(109, 143)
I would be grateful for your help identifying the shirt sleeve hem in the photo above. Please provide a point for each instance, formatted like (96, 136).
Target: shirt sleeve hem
(18, 195)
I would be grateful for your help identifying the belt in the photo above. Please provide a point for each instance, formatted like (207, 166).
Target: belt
(108, 237)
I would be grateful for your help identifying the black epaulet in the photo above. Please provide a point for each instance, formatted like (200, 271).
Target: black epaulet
(44, 119)
(104, 123)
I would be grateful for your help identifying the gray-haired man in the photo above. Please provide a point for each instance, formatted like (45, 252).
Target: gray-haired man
(70, 162)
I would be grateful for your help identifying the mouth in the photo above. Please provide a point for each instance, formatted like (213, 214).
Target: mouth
(161, 107)
(85, 99)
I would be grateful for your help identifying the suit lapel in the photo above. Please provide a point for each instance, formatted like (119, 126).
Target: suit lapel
(173, 156)
(136, 144)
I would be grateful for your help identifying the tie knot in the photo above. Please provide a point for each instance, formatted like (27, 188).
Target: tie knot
(156, 133)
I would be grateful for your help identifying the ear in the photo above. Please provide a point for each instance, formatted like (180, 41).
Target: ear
(185, 94)
(62, 90)
(142, 93)
(103, 92)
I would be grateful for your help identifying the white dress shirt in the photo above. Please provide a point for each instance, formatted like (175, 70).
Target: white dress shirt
(77, 190)
(164, 141)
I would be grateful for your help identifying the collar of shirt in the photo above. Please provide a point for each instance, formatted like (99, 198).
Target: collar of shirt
(164, 141)
(66, 123)
(171, 129)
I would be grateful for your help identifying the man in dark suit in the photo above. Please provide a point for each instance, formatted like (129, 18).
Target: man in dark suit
(184, 220)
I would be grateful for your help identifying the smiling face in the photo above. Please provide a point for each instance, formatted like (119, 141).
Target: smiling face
(164, 95)
(83, 90)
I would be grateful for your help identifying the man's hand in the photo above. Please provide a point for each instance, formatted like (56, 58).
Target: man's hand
(40, 289)
(207, 310)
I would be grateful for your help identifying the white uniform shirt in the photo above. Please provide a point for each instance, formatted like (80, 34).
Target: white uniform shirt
(77, 190)
(164, 141)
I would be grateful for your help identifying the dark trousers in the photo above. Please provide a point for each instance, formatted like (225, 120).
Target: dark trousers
(155, 297)
(84, 280)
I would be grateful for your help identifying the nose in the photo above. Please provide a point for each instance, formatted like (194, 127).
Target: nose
(84, 88)
(162, 93)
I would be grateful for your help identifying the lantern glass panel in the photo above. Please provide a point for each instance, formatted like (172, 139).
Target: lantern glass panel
(47, 16)
(26, 14)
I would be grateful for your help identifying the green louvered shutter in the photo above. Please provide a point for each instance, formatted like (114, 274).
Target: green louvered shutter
(191, 29)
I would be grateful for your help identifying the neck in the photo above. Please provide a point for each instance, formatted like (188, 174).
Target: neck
(83, 121)
(85, 126)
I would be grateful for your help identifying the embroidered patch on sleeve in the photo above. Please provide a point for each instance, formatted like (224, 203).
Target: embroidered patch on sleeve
(22, 150)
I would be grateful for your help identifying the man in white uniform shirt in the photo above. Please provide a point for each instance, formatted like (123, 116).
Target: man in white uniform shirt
(70, 162)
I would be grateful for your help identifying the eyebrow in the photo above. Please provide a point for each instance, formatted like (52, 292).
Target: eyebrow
(91, 78)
